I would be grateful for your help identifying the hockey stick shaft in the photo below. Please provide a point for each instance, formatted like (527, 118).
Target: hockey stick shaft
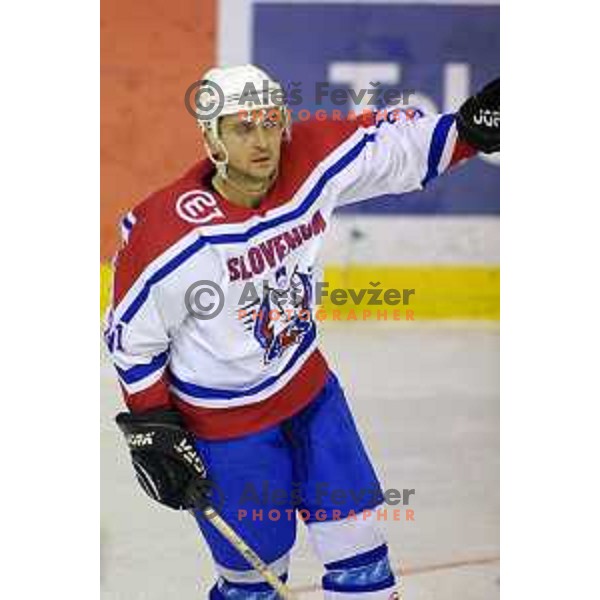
(242, 547)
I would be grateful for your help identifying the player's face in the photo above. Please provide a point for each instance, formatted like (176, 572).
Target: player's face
(254, 146)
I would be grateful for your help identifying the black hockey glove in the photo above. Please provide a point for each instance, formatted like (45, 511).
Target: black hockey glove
(164, 458)
(478, 119)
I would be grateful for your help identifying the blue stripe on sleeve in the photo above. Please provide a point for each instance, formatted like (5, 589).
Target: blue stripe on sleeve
(139, 372)
(438, 141)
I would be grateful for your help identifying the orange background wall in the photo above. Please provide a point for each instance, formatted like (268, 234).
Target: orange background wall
(151, 51)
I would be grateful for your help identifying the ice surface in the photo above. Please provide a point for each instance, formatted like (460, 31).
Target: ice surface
(425, 397)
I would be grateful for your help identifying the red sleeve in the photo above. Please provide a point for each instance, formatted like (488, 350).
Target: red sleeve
(152, 398)
(461, 152)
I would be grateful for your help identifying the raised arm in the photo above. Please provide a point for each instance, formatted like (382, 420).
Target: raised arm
(397, 150)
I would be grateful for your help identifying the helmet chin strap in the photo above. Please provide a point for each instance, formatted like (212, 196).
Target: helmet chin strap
(221, 165)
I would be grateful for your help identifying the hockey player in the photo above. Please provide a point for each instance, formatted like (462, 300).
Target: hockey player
(253, 395)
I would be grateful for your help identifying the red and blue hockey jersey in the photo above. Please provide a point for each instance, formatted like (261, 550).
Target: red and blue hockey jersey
(243, 369)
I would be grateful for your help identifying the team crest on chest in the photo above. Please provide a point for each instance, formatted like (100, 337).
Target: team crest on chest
(283, 316)
(198, 207)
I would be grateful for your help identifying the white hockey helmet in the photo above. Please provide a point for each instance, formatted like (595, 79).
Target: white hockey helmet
(241, 89)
